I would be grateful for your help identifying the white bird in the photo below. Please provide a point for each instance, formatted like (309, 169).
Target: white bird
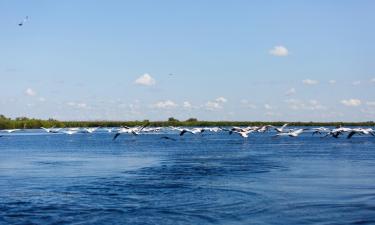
(244, 134)
(11, 130)
(109, 130)
(263, 129)
(291, 133)
(338, 131)
(91, 129)
(319, 130)
(213, 129)
(70, 132)
(74, 128)
(128, 130)
(281, 129)
(361, 131)
(51, 130)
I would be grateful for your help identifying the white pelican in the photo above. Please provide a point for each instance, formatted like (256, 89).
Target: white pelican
(319, 130)
(338, 131)
(291, 133)
(91, 129)
(281, 129)
(51, 130)
(11, 130)
(361, 131)
(70, 132)
(128, 130)
(244, 134)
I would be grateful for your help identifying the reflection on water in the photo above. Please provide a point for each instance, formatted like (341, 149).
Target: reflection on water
(214, 179)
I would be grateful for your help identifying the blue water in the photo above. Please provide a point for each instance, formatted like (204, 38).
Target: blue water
(210, 179)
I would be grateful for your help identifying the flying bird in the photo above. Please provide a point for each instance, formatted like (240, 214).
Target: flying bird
(361, 131)
(134, 130)
(11, 130)
(281, 129)
(23, 21)
(291, 133)
(168, 138)
(319, 130)
(51, 130)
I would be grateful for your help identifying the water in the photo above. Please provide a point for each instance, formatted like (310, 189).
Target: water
(214, 179)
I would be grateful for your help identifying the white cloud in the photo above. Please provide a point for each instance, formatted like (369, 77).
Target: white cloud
(247, 104)
(216, 104)
(81, 105)
(221, 100)
(290, 92)
(267, 106)
(301, 105)
(372, 80)
(370, 103)
(213, 105)
(145, 80)
(279, 51)
(41, 99)
(355, 83)
(310, 82)
(351, 102)
(78, 105)
(332, 82)
(271, 114)
(187, 105)
(30, 92)
(168, 104)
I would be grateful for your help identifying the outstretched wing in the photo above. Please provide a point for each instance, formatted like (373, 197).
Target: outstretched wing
(350, 135)
(116, 135)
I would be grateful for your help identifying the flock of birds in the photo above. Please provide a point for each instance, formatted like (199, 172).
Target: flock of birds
(242, 131)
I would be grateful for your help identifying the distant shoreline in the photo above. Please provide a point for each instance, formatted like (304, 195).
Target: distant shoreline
(19, 123)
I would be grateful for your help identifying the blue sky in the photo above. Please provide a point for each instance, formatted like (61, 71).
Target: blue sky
(213, 60)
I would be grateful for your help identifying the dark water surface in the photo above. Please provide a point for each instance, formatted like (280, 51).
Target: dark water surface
(214, 179)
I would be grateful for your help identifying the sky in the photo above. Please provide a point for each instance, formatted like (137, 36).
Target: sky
(210, 59)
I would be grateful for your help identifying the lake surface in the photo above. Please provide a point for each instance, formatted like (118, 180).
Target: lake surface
(209, 179)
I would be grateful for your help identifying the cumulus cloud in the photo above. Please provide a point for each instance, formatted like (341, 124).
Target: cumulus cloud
(187, 105)
(310, 82)
(145, 80)
(267, 106)
(78, 105)
(290, 92)
(272, 114)
(304, 105)
(247, 104)
(168, 104)
(370, 103)
(279, 51)
(216, 104)
(221, 100)
(41, 99)
(355, 83)
(351, 102)
(30, 92)
(332, 82)
(213, 105)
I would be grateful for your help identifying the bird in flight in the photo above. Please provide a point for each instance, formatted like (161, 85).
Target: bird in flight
(168, 138)
(23, 21)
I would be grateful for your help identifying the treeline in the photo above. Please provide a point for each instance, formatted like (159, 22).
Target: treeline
(28, 123)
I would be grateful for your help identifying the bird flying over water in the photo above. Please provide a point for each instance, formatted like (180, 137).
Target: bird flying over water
(291, 133)
(281, 129)
(168, 138)
(11, 130)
